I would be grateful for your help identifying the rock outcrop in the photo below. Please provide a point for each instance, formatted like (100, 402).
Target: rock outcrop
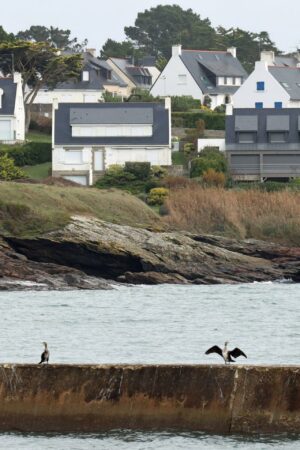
(88, 251)
(91, 398)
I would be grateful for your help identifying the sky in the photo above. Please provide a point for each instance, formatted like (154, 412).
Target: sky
(98, 20)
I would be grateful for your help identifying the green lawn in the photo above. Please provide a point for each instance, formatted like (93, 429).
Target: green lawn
(178, 158)
(39, 171)
(36, 136)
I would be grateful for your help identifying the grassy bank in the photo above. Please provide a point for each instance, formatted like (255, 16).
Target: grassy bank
(273, 216)
(31, 209)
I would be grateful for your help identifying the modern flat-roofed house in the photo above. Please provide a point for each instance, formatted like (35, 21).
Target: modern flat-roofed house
(97, 77)
(200, 73)
(89, 138)
(263, 124)
(12, 112)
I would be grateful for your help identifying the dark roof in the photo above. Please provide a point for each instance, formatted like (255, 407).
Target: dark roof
(288, 61)
(9, 96)
(132, 71)
(111, 115)
(289, 78)
(148, 61)
(200, 62)
(135, 113)
(96, 79)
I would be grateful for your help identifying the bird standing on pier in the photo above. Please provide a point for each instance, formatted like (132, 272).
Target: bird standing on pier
(226, 354)
(45, 355)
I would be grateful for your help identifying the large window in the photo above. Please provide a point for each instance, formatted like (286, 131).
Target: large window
(260, 86)
(121, 130)
(73, 157)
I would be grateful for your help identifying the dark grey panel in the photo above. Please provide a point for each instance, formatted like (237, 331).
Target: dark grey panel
(112, 115)
(244, 164)
(9, 96)
(278, 123)
(298, 123)
(246, 123)
(288, 164)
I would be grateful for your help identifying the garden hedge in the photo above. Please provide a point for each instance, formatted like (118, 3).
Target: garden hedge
(213, 121)
(29, 154)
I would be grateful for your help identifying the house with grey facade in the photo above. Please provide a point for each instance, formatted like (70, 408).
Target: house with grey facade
(263, 122)
(201, 73)
(89, 138)
(12, 111)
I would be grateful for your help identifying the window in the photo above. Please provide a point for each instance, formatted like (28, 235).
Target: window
(182, 79)
(259, 105)
(73, 157)
(277, 137)
(278, 105)
(225, 80)
(247, 138)
(260, 86)
(85, 75)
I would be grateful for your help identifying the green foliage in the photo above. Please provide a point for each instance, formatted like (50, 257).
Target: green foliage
(114, 49)
(158, 172)
(28, 154)
(208, 159)
(38, 172)
(4, 36)
(161, 63)
(158, 28)
(212, 120)
(179, 159)
(248, 44)
(184, 103)
(141, 95)
(56, 37)
(157, 196)
(189, 150)
(207, 101)
(141, 170)
(110, 98)
(8, 170)
(221, 109)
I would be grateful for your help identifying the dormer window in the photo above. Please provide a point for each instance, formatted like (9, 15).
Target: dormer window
(85, 75)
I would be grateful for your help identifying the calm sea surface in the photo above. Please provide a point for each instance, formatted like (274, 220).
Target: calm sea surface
(160, 324)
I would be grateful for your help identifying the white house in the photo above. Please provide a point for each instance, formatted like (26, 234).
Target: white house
(97, 77)
(274, 83)
(200, 73)
(12, 112)
(89, 138)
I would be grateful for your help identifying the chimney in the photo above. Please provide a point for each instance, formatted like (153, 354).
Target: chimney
(268, 56)
(232, 50)
(92, 51)
(176, 50)
(17, 77)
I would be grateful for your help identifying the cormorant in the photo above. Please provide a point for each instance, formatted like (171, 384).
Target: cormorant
(45, 355)
(226, 354)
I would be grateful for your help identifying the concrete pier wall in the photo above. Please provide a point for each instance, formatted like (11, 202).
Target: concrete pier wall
(221, 399)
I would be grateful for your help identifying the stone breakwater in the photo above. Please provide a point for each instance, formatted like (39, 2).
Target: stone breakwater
(89, 253)
(213, 398)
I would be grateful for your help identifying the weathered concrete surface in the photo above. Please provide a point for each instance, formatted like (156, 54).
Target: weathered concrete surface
(224, 399)
(133, 255)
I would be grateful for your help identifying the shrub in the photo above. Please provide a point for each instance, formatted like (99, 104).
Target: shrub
(158, 172)
(8, 170)
(115, 175)
(141, 170)
(213, 178)
(30, 154)
(41, 123)
(157, 196)
(174, 182)
(220, 109)
(207, 101)
(213, 121)
(184, 103)
(209, 158)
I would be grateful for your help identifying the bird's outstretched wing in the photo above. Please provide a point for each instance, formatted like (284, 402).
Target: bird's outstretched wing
(236, 352)
(214, 349)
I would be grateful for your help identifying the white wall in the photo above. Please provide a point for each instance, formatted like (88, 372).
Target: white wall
(68, 96)
(111, 155)
(168, 83)
(19, 109)
(247, 95)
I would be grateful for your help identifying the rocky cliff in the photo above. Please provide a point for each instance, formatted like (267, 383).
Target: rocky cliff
(218, 399)
(88, 252)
